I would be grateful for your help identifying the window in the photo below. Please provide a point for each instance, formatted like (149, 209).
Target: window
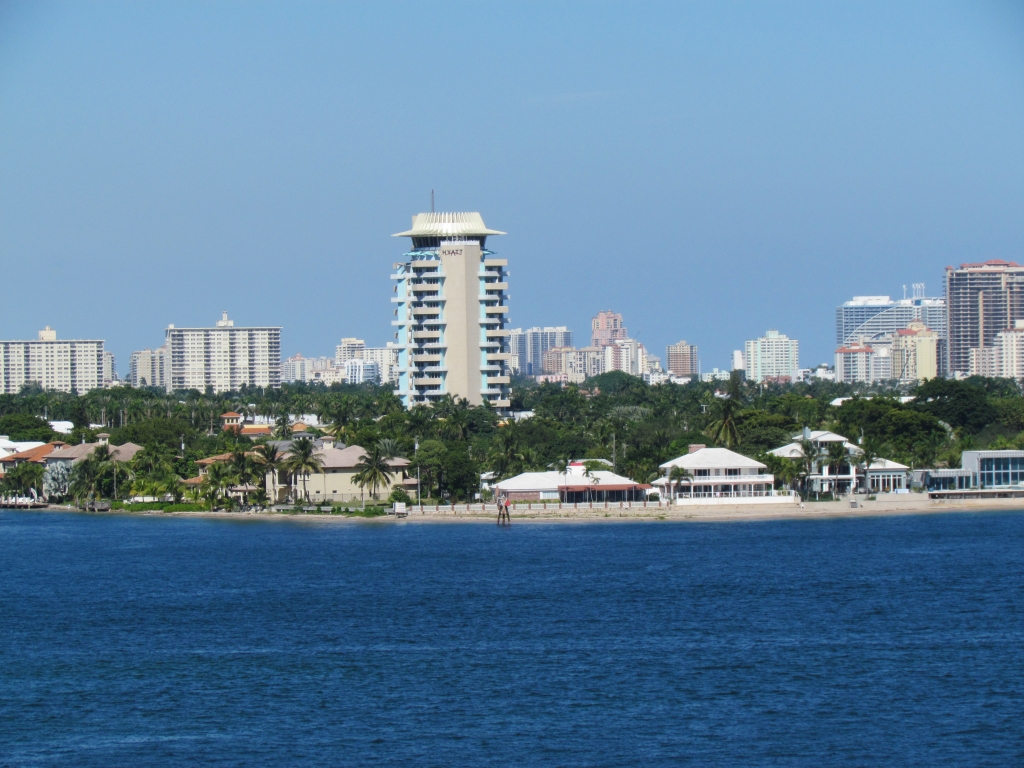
(732, 472)
(702, 473)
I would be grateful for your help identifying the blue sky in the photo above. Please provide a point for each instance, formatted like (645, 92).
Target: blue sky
(709, 170)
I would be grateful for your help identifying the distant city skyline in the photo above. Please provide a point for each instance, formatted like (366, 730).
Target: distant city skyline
(708, 171)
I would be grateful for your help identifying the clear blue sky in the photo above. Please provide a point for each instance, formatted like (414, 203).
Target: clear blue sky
(709, 170)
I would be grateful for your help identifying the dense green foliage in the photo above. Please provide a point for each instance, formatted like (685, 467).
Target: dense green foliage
(614, 416)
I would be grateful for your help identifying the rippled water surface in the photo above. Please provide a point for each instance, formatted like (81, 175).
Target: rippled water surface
(154, 641)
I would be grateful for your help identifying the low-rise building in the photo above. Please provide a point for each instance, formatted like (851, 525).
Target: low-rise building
(825, 477)
(336, 482)
(1005, 359)
(714, 473)
(574, 486)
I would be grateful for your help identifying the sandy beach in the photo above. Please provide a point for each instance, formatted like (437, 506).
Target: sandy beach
(908, 505)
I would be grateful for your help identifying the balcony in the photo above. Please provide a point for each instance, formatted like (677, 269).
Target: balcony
(426, 334)
(426, 382)
(418, 311)
(425, 288)
(499, 356)
(498, 333)
(497, 380)
(493, 310)
(495, 262)
(495, 286)
(501, 403)
(420, 359)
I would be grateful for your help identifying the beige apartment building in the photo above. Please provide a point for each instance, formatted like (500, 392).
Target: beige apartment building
(915, 353)
(577, 364)
(681, 359)
(450, 313)
(63, 366)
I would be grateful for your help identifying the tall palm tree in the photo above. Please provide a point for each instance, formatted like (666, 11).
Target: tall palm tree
(868, 456)
(809, 456)
(389, 448)
(303, 460)
(836, 455)
(675, 476)
(373, 470)
(724, 430)
(271, 462)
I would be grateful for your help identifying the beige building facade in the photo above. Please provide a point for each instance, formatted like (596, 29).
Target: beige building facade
(63, 366)
(915, 353)
(336, 483)
(450, 313)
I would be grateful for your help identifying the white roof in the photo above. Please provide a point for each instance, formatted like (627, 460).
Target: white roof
(714, 458)
(885, 464)
(10, 447)
(447, 225)
(552, 481)
(794, 451)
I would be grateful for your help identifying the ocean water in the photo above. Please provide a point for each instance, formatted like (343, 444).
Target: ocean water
(134, 641)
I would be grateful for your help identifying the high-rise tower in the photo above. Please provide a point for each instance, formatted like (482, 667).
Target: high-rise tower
(981, 300)
(450, 311)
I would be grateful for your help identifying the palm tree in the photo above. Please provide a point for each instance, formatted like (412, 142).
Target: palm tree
(835, 456)
(217, 479)
(389, 448)
(724, 430)
(868, 456)
(675, 475)
(373, 470)
(303, 460)
(809, 455)
(271, 462)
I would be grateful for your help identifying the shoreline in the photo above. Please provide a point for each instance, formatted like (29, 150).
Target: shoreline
(725, 513)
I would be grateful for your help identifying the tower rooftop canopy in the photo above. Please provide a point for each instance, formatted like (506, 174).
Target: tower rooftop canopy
(448, 225)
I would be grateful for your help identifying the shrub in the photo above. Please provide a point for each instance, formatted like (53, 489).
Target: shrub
(186, 508)
(400, 496)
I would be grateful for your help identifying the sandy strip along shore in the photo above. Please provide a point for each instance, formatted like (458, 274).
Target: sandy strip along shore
(913, 504)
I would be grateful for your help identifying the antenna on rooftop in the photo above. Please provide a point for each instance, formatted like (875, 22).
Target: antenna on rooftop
(432, 203)
(904, 292)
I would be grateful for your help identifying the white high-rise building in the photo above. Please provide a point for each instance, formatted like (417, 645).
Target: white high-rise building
(349, 349)
(773, 356)
(627, 355)
(64, 366)
(527, 347)
(360, 371)
(386, 359)
(148, 368)
(224, 357)
(109, 369)
(450, 309)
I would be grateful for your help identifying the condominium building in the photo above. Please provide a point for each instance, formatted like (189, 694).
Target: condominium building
(1005, 358)
(867, 319)
(450, 301)
(148, 368)
(299, 368)
(627, 355)
(577, 364)
(109, 369)
(224, 357)
(527, 347)
(360, 371)
(915, 353)
(349, 349)
(773, 356)
(854, 363)
(681, 359)
(386, 359)
(607, 327)
(982, 300)
(63, 366)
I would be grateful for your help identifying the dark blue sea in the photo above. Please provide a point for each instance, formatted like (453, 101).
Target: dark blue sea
(135, 641)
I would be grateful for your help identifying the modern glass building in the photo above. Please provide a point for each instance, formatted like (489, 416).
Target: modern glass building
(450, 307)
